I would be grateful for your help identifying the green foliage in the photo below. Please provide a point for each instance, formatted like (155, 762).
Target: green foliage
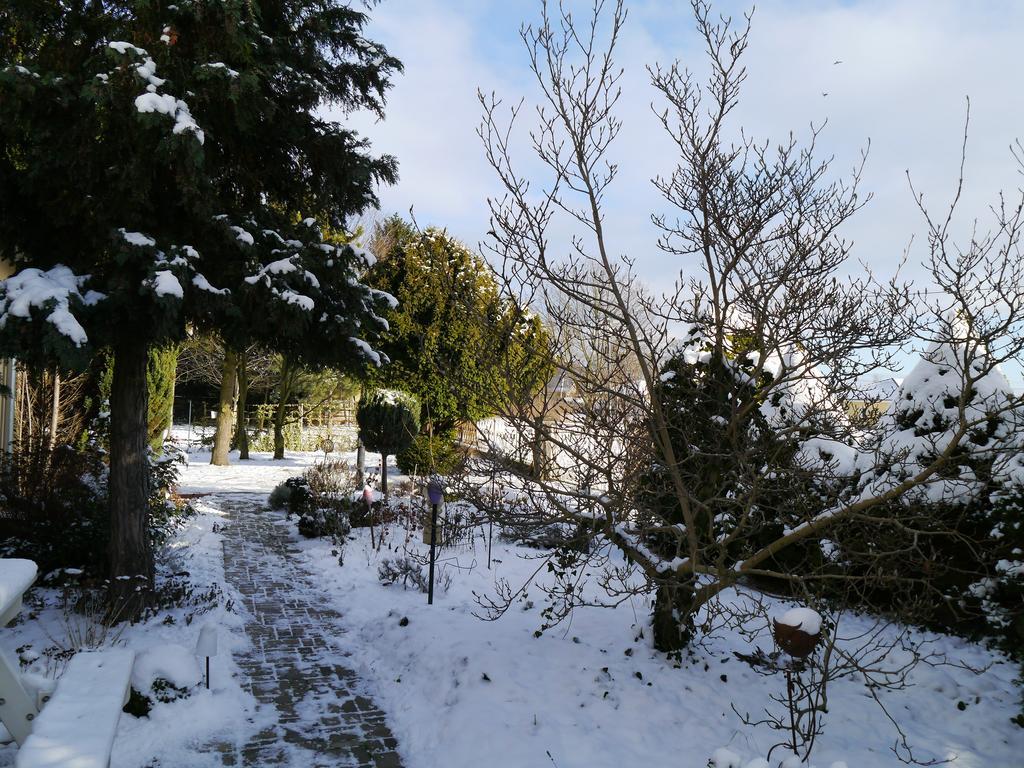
(167, 165)
(432, 454)
(324, 521)
(148, 198)
(388, 421)
(452, 339)
(738, 469)
(54, 506)
(163, 363)
(156, 157)
(160, 377)
(295, 439)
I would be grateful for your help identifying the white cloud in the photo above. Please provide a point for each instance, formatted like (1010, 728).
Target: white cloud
(432, 115)
(907, 66)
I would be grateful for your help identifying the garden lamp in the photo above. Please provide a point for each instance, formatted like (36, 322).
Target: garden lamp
(435, 493)
(207, 646)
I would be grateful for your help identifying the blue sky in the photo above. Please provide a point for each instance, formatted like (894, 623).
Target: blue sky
(907, 66)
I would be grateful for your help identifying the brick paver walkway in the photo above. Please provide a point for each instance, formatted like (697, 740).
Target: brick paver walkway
(324, 717)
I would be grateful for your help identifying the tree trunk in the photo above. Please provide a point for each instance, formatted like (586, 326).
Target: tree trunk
(55, 410)
(131, 556)
(241, 433)
(538, 458)
(222, 436)
(360, 464)
(673, 617)
(384, 475)
(284, 393)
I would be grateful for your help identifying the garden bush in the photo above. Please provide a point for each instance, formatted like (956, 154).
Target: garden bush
(53, 505)
(437, 454)
(324, 521)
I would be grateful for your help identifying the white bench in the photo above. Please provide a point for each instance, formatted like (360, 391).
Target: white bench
(76, 728)
(17, 708)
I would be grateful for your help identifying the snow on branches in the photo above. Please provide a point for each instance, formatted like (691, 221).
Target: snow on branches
(310, 288)
(154, 101)
(54, 292)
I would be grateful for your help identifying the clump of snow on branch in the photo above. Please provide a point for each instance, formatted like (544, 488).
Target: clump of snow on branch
(55, 288)
(171, 267)
(152, 101)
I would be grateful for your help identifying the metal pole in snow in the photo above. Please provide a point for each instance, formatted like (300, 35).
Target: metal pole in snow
(433, 545)
(490, 533)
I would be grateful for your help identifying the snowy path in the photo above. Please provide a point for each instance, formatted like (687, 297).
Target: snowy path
(323, 717)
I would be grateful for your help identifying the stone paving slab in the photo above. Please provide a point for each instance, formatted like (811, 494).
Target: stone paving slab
(296, 663)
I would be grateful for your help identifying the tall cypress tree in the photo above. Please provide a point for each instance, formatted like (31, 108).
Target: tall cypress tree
(170, 163)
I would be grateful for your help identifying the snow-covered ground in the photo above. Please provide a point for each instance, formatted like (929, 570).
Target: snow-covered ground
(176, 733)
(463, 692)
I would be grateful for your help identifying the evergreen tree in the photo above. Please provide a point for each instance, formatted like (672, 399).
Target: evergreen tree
(165, 163)
(739, 458)
(963, 530)
(388, 422)
(451, 336)
(953, 377)
(160, 371)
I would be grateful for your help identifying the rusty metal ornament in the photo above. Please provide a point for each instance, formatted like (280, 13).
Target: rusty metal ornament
(795, 641)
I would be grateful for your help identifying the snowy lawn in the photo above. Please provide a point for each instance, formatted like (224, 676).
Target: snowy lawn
(462, 692)
(175, 733)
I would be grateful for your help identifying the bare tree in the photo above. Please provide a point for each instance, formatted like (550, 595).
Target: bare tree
(707, 437)
(206, 360)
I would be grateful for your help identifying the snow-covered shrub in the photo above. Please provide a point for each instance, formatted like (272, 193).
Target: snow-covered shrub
(322, 500)
(957, 536)
(279, 496)
(298, 498)
(324, 521)
(330, 480)
(162, 674)
(409, 572)
(946, 382)
(402, 570)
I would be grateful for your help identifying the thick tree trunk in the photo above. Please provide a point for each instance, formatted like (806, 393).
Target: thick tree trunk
(673, 617)
(279, 431)
(131, 556)
(384, 475)
(222, 436)
(241, 433)
(284, 393)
